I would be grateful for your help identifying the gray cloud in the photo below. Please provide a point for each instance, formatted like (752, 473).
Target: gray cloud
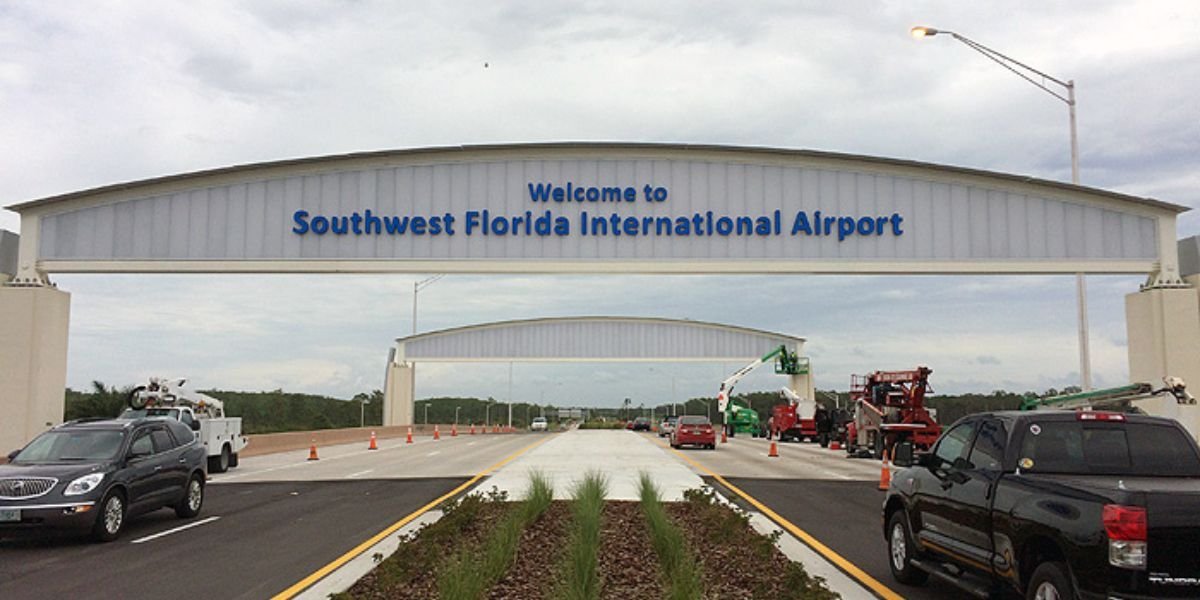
(124, 92)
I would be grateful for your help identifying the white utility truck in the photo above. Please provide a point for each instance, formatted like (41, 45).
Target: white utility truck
(221, 435)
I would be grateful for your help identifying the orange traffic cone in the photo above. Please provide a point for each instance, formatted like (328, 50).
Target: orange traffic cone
(472, 429)
(454, 430)
(774, 451)
(436, 435)
(372, 446)
(312, 451)
(835, 445)
(885, 473)
(409, 440)
(724, 438)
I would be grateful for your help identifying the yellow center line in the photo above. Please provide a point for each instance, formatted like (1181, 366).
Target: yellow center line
(320, 574)
(846, 566)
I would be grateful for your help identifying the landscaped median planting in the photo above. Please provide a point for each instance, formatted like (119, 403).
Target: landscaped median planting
(486, 546)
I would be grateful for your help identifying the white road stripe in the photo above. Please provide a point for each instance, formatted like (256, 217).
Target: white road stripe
(353, 475)
(434, 452)
(176, 530)
(470, 443)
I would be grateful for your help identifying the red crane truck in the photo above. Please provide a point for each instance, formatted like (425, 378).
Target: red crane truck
(889, 408)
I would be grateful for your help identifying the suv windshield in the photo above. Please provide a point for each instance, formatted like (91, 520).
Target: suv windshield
(72, 446)
(1076, 447)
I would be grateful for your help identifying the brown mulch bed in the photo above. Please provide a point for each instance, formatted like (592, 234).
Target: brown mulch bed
(627, 564)
(736, 561)
(535, 574)
(412, 572)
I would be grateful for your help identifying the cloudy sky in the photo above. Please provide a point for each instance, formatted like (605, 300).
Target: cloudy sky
(93, 93)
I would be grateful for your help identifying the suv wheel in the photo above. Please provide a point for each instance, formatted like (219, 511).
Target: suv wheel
(193, 498)
(1050, 582)
(111, 517)
(900, 551)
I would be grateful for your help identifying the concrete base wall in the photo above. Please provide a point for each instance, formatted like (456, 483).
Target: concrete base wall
(33, 362)
(398, 394)
(1163, 328)
(299, 441)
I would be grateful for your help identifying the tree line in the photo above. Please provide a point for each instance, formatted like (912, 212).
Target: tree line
(277, 411)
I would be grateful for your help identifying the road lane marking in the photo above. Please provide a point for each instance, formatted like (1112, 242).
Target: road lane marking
(337, 563)
(176, 530)
(434, 453)
(846, 566)
(353, 475)
(470, 443)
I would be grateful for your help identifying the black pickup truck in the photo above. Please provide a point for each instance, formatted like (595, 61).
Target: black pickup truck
(1050, 504)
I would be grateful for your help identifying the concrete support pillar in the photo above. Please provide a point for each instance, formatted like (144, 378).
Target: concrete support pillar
(1163, 326)
(803, 384)
(398, 393)
(33, 361)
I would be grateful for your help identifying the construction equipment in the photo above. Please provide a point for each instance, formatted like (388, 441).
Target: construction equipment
(1120, 399)
(889, 407)
(167, 397)
(738, 415)
(798, 419)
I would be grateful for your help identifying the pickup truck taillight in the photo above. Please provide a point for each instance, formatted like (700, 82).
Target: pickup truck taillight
(1127, 534)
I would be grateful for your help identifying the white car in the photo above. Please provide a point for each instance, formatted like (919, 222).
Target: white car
(539, 424)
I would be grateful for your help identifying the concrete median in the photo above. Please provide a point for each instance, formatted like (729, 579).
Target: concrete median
(270, 443)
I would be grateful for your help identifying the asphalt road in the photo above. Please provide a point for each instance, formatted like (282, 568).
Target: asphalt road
(268, 536)
(833, 498)
(279, 518)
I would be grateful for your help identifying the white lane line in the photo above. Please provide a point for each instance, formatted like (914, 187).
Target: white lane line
(435, 452)
(176, 530)
(470, 443)
(353, 475)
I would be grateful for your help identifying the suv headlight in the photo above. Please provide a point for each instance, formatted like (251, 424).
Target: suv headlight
(84, 484)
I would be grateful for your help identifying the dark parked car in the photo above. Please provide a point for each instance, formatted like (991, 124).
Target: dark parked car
(94, 475)
(1050, 504)
(641, 424)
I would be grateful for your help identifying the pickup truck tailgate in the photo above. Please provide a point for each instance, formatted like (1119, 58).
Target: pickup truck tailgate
(1173, 554)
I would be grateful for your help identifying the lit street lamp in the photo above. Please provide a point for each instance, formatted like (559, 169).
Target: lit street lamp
(1042, 81)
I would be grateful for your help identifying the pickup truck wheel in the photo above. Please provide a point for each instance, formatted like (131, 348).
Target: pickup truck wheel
(233, 460)
(900, 551)
(219, 464)
(1050, 582)
(193, 498)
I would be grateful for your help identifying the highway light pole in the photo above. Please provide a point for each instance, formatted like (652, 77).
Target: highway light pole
(1042, 81)
(426, 414)
(456, 409)
(418, 286)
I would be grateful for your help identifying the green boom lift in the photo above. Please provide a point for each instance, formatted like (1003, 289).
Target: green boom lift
(739, 417)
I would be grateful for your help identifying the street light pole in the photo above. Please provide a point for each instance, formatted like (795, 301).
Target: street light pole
(418, 286)
(456, 409)
(426, 414)
(1028, 73)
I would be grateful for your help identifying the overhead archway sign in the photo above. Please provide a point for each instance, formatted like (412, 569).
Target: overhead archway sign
(583, 207)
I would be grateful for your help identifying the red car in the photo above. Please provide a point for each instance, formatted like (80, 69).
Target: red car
(694, 430)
